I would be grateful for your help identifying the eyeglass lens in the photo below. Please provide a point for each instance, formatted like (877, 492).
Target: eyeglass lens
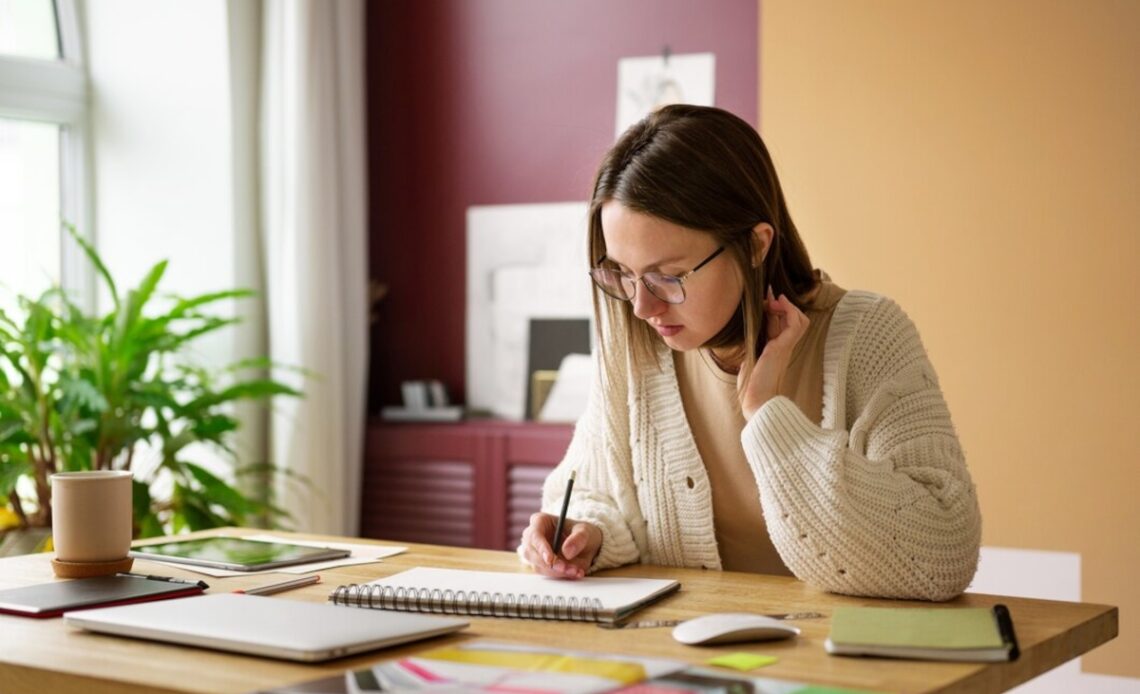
(667, 288)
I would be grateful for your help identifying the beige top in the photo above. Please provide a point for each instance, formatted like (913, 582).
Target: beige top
(713, 412)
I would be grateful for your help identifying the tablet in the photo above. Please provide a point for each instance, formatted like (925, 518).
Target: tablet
(236, 554)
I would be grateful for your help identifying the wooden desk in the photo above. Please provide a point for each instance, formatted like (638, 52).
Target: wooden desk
(46, 656)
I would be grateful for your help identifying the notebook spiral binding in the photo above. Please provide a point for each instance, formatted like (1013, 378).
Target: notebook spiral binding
(468, 603)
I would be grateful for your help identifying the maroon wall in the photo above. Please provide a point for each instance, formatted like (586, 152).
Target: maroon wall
(476, 102)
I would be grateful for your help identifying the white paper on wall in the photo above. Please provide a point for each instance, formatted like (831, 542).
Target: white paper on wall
(645, 84)
(523, 262)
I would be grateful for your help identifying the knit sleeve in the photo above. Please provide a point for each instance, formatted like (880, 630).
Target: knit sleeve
(886, 508)
(600, 456)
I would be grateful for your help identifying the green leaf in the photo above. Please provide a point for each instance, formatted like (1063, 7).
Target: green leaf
(260, 363)
(178, 522)
(185, 306)
(93, 256)
(269, 469)
(157, 393)
(177, 340)
(197, 513)
(10, 472)
(84, 394)
(260, 388)
(10, 424)
(82, 427)
(220, 493)
(173, 444)
(137, 299)
(197, 519)
(212, 427)
(79, 456)
(150, 526)
(15, 436)
(146, 288)
(140, 500)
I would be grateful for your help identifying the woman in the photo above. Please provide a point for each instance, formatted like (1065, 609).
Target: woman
(748, 414)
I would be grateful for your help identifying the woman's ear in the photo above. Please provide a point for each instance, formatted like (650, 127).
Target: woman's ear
(762, 235)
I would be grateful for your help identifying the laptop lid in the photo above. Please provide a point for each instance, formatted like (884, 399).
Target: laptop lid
(265, 626)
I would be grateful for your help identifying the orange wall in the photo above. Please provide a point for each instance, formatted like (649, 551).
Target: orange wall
(979, 161)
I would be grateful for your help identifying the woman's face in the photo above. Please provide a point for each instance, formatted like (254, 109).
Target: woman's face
(638, 243)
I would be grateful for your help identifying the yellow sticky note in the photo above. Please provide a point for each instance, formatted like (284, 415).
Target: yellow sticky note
(743, 661)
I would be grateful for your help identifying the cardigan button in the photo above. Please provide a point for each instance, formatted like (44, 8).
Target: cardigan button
(689, 481)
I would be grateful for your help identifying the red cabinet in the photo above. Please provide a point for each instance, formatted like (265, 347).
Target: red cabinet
(466, 484)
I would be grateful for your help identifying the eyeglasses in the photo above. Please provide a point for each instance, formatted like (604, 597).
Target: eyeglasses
(667, 288)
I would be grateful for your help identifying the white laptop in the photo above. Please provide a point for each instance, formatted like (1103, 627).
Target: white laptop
(266, 626)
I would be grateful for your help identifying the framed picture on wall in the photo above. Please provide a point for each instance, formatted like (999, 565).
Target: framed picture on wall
(524, 263)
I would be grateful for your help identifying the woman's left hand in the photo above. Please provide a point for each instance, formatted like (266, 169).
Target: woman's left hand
(786, 326)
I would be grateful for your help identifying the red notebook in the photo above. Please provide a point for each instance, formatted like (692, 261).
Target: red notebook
(53, 599)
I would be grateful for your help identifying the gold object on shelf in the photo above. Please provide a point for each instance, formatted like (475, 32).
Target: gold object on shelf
(541, 381)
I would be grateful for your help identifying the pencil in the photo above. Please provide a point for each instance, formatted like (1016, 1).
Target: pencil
(562, 515)
(272, 588)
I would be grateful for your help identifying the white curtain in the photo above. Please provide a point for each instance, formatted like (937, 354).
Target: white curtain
(314, 212)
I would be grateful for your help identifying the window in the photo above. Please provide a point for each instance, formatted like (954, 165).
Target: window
(29, 205)
(43, 150)
(28, 29)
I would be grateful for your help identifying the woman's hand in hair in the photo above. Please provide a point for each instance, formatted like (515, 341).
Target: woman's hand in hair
(580, 544)
(786, 326)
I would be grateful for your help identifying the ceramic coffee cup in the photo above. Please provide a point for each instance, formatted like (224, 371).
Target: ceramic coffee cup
(91, 515)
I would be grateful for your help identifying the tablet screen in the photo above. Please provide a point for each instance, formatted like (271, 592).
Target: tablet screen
(237, 552)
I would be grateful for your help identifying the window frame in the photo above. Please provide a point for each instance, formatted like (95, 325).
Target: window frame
(56, 92)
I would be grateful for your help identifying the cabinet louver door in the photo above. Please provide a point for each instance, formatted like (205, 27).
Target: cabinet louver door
(524, 497)
(420, 500)
(469, 484)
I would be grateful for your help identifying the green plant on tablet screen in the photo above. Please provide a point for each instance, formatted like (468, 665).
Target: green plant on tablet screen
(94, 392)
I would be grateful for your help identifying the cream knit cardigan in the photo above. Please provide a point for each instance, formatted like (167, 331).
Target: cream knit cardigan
(875, 501)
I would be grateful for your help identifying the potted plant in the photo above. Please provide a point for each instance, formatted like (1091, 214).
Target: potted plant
(90, 392)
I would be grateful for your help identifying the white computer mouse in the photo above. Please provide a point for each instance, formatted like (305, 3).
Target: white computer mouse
(730, 627)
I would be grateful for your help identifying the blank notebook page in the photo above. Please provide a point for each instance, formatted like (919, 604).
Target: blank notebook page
(614, 593)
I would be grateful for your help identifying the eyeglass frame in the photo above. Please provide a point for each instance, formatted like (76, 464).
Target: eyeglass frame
(679, 278)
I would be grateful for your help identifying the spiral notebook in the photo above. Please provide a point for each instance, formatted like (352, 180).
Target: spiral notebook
(499, 594)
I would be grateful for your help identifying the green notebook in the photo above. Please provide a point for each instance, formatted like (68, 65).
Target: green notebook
(948, 633)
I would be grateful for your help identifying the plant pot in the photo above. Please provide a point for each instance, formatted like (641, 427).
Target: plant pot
(24, 541)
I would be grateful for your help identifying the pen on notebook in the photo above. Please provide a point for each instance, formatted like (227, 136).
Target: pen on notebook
(282, 586)
(562, 516)
(169, 579)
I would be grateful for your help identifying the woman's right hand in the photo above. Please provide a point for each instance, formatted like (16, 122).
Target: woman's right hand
(786, 325)
(580, 545)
